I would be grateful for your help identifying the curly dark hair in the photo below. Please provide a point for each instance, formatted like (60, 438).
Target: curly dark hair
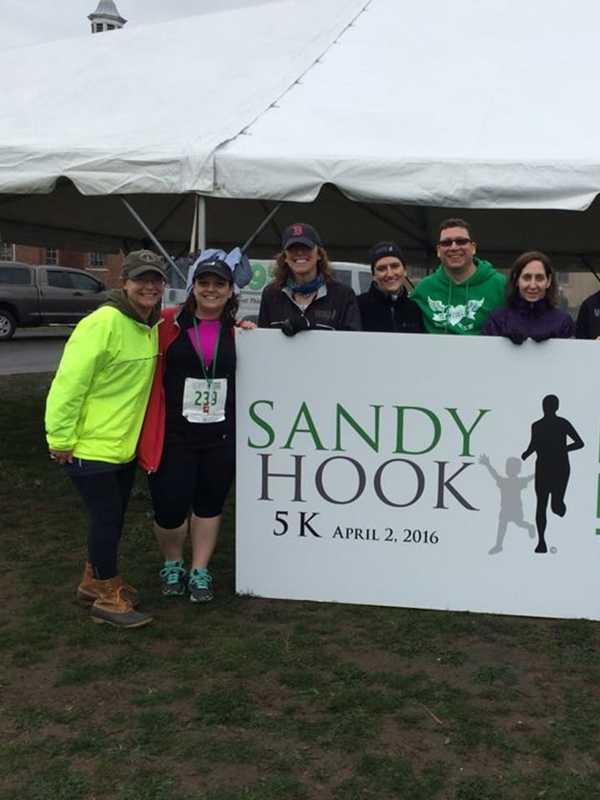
(282, 272)
(512, 288)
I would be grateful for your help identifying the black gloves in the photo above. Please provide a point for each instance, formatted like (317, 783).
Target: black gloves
(516, 337)
(293, 326)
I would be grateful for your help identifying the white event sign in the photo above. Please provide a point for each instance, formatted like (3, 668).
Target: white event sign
(387, 469)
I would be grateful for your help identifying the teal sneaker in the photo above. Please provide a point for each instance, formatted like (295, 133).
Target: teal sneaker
(173, 579)
(200, 586)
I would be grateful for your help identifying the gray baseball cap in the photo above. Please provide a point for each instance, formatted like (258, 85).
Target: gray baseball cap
(140, 261)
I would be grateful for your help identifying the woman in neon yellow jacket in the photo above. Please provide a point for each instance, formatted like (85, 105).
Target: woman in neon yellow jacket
(94, 414)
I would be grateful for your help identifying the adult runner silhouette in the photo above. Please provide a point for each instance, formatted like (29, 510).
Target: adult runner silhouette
(549, 442)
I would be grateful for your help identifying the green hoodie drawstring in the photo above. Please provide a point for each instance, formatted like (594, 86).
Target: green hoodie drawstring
(467, 286)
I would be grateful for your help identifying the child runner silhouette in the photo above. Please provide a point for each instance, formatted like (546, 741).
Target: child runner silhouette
(511, 507)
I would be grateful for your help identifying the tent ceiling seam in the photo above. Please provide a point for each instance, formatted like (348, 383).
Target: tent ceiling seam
(275, 102)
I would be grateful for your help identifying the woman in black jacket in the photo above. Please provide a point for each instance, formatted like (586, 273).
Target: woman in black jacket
(304, 294)
(386, 307)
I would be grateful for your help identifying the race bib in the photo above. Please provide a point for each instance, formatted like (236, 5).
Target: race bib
(204, 401)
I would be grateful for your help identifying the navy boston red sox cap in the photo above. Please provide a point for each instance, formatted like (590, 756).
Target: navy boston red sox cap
(300, 233)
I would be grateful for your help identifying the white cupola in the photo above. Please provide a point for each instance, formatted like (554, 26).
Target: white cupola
(106, 17)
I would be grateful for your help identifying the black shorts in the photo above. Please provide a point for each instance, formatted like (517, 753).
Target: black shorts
(194, 479)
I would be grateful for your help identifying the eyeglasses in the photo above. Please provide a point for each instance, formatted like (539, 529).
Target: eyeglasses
(154, 281)
(459, 241)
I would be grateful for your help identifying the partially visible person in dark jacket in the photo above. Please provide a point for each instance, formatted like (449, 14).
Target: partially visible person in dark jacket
(386, 306)
(304, 295)
(530, 311)
(588, 319)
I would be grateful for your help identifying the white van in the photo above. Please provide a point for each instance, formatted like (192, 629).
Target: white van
(358, 276)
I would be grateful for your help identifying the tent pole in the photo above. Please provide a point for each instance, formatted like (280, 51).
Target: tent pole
(382, 217)
(198, 237)
(194, 235)
(274, 226)
(588, 264)
(169, 214)
(152, 238)
(261, 227)
(200, 222)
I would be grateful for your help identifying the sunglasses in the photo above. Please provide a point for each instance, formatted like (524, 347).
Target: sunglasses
(459, 241)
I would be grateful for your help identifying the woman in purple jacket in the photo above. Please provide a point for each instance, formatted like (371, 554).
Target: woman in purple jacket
(530, 311)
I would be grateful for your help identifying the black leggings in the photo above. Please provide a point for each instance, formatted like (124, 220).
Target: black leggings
(105, 496)
(191, 478)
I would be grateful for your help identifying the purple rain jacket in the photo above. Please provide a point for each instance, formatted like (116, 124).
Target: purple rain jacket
(522, 320)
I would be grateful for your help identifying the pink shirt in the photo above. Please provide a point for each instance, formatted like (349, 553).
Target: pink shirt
(209, 334)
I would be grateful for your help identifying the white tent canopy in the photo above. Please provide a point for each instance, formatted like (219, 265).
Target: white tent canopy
(411, 111)
(479, 105)
(144, 110)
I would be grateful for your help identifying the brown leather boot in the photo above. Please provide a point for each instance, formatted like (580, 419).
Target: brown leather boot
(87, 591)
(113, 607)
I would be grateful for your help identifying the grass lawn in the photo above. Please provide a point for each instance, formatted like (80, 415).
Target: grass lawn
(250, 699)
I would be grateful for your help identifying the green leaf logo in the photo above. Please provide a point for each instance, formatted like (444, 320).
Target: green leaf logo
(259, 276)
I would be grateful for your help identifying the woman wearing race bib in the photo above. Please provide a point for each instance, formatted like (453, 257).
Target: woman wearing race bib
(188, 440)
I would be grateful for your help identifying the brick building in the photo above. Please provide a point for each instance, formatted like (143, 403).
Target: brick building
(105, 266)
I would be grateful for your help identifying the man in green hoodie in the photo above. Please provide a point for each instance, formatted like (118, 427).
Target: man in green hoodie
(460, 295)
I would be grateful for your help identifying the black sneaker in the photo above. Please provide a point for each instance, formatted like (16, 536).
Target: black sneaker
(173, 579)
(200, 586)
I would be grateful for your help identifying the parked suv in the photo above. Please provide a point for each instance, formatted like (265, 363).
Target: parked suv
(32, 296)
